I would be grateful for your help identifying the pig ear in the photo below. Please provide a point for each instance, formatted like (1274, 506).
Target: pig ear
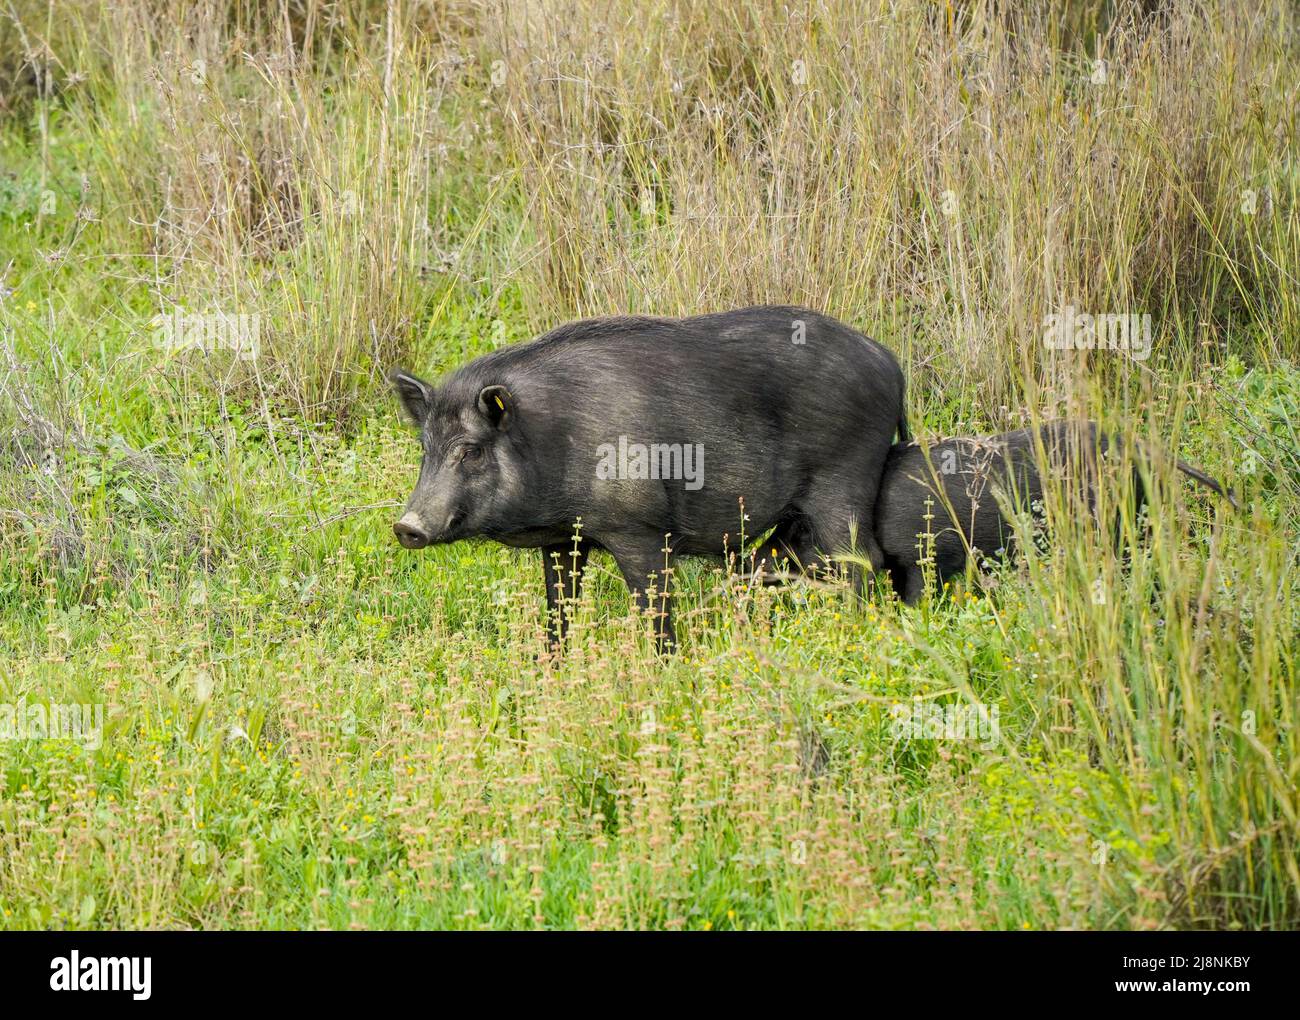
(415, 394)
(497, 406)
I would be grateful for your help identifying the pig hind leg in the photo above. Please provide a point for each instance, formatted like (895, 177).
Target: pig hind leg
(909, 582)
(792, 540)
(841, 523)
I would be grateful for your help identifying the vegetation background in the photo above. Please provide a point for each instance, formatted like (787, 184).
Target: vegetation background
(308, 727)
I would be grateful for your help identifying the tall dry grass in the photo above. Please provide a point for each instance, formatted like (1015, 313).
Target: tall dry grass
(944, 180)
(944, 177)
(282, 162)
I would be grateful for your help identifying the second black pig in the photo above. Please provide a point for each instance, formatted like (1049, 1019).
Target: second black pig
(963, 478)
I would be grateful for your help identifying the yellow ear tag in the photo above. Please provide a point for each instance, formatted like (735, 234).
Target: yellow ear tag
(499, 404)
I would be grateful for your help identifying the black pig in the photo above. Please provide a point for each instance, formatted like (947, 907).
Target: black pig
(961, 477)
(651, 431)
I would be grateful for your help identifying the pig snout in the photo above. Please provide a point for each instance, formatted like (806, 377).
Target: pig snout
(411, 532)
(414, 532)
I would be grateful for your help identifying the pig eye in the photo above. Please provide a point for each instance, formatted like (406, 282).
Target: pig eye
(470, 454)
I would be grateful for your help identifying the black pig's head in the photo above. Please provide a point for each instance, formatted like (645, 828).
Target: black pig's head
(469, 473)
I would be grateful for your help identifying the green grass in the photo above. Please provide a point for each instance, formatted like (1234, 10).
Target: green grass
(321, 729)
(307, 726)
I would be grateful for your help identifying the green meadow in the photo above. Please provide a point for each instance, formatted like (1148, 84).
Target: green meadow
(292, 722)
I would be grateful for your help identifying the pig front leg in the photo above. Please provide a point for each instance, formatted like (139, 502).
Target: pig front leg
(563, 563)
(642, 560)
